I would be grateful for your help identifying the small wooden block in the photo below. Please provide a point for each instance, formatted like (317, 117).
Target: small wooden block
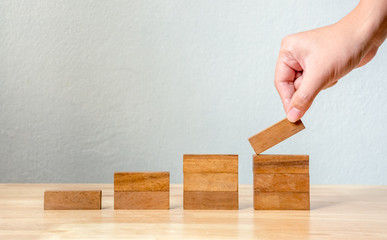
(274, 135)
(141, 181)
(281, 201)
(72, 200)
(210, 163)
(141, 200)
(220, 182)
(265, 163)
(281, 182)
(210, 200)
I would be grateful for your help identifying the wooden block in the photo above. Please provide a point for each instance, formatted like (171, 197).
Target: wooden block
(274, 135)
(141, 181)
(281, 201)
(265, 163)
(281, 182)
(210, 200)
(221, 182)
(72, 200)
(210, 163)
(141, 200)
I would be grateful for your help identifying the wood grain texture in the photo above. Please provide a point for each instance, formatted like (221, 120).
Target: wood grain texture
(274, 135)
(281, 182)
(141, 181)
(210, 163)
(281, 201)
(141, 200)
(211, 182)
(210, 200)
(273, 163)
(337, 212)
(72, 200)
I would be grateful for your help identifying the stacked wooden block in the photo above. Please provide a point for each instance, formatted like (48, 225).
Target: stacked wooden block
(210, 182)
(141, 190)
(281, 182)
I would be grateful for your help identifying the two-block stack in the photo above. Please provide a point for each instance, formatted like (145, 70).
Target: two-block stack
(141, 190)
(210, 182)
(281, 182)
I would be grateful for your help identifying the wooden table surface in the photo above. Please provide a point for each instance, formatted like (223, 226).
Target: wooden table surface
(337, 212)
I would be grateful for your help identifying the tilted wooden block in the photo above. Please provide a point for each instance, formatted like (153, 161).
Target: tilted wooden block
(281, 201)
(274, 135)
(281, 182)
(271, 163)
(220, 182)
(72, 200)
(210, 200)
(210, 163)
(141, 181)
(141, 200)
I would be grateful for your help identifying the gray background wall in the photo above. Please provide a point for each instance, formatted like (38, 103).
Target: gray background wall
(92, 87)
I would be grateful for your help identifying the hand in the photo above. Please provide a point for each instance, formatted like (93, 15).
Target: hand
(311, 61)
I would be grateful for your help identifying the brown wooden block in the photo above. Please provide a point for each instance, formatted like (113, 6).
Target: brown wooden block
(141, 181)
(141, 200)
(274, 135)
(72, 200)
(281, 201)
(210, 200)
(272, 163)
(211, 163)
(281, 182)
(221, 182)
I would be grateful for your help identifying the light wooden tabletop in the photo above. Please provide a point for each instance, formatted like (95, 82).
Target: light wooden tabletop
(337, 212)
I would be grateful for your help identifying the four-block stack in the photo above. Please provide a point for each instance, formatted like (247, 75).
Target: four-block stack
(210, 182)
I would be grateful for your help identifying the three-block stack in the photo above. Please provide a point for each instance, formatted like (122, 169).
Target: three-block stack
(210, 182)
(281, 182)
(141, 190)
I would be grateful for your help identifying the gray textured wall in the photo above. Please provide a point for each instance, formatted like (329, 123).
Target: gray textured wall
(92, 87)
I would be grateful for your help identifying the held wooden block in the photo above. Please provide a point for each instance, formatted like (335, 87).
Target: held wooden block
(271, 163)
(211, 163)
(220, 182)
(274, 135)
(141, 181)
(210, 200)
(141, 200)
(72, 200)
(281, 201)
(281, 182)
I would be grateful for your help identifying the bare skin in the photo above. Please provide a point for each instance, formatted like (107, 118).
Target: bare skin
(311, 61)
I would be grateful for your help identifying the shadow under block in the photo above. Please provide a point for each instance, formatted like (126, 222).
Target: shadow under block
(210, 200)
(72, 200)
(281, 182)
(141, 200)
(141, 190)
(217, 182)
(211, 163)
(210, 182)
(274, 135)
(141, 181)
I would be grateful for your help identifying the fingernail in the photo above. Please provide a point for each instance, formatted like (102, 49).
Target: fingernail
(294, 114)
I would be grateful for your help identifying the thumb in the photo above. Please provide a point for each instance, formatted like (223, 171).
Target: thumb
(302, 99)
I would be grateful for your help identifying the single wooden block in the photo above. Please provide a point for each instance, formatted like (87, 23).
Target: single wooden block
(274, 135)
(281, 201)
(281, 182)
(210, 163)
(141, 200)
(72, 200)
(272, 163)
(220, 182)
(141, 181)
(210, 200)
